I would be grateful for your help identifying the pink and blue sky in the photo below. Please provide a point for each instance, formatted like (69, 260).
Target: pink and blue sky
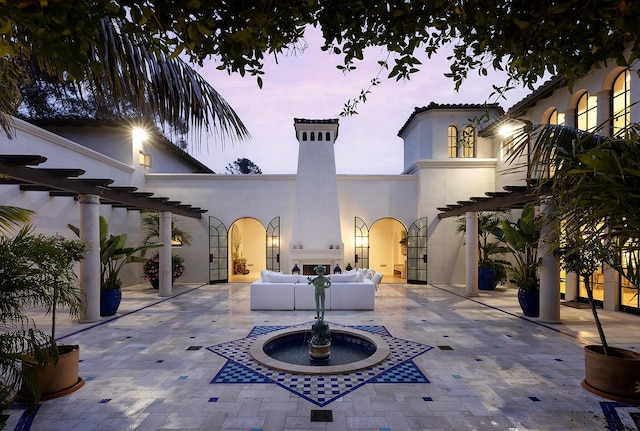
(308, 85)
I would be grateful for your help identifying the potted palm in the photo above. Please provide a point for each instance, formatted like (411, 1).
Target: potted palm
(37, 271)
(521, 238)
(114, 254)
(151, 224)
(491, 271)
(594, 182)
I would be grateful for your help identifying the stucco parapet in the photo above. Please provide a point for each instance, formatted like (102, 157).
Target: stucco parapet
(221, 177)
(457, 163)
(376, 177)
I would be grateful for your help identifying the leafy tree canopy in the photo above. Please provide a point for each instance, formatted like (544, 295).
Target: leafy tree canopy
(525, 38)
(87, 48)
(243, 166)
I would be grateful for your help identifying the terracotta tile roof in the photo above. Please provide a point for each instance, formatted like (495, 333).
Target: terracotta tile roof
(307, 121)
(447, 106)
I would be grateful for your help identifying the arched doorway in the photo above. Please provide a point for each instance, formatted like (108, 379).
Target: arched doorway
(387, 251)
(247, 250)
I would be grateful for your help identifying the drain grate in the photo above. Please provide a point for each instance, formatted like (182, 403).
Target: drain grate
(194, 347)
(321, 415)
(445, 347)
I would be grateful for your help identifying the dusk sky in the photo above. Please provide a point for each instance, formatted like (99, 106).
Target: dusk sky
(310, 86)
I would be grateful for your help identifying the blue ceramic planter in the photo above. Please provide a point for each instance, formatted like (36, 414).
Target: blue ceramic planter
(529, 302)
(110, 301)
(487, 278)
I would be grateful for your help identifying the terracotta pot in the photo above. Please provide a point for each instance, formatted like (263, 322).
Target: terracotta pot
(613, 376)
(59, 379)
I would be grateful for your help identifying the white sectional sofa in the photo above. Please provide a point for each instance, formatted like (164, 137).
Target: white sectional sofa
(277, 291)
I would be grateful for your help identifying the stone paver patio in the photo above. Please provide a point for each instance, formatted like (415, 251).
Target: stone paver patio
(460, 363)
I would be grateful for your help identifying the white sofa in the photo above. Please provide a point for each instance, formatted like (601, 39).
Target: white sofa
(277, 291)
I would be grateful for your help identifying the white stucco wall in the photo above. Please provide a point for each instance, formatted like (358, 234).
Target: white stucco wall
(432, 180)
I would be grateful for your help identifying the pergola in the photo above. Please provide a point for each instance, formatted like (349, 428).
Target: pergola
(23, 170)
(513, 197)
(20, 170)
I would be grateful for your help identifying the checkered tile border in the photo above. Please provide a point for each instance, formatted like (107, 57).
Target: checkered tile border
(320, 389)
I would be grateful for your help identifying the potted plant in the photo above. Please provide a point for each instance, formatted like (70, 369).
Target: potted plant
(37, 271)
(491, 271)
(151, 269)
(151, 223)
(114, 254)
(521, 238)
(594, 192)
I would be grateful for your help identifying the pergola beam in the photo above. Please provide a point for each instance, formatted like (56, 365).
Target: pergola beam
(16, 169)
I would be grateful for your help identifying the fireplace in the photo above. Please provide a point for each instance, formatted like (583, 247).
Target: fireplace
(309, 269)
(308, 259)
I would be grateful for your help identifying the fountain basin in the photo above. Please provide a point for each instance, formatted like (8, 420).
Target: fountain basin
(351, 350)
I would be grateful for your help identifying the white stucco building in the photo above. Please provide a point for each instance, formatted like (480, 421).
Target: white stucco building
(316, 216)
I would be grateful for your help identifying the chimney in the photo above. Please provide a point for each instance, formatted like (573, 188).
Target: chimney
(316, 237)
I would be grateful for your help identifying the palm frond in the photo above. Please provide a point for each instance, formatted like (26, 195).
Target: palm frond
(132, 75)
(595, 183)
(11, 216)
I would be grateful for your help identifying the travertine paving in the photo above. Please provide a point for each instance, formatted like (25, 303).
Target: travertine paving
(477, 365)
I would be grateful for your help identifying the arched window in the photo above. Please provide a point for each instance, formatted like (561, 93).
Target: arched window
(555, 117)
(327, 136)
(621, 103)
(586, 118)
(468, 142)
(319, 136)
(452, 139)
(304, 136)
(313, 136)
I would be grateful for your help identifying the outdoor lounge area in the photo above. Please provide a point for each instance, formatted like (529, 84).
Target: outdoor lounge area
(457, 363)
(277, 291)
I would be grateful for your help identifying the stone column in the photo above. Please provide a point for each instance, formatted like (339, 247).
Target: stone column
(603, 109)
(471, 256)
(90, 266)
(549, 272)
(570, 117)
(165, 254)
(571, 287)
(611, 289)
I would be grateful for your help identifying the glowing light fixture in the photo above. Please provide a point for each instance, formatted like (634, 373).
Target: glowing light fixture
(139, 134)
(507, 129)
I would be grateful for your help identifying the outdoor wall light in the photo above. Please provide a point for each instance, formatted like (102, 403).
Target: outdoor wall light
(507, 130)
(139, 134)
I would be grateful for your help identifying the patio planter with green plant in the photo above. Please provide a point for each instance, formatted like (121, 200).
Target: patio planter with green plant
(151, 269)
(594, 190)
(37, 271)
(491, 271)
(151, 266)
(521, 238)
(114, 254)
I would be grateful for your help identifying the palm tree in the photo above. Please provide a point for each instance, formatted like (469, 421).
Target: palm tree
(151, 225)
(594, 182)
(129, 73)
